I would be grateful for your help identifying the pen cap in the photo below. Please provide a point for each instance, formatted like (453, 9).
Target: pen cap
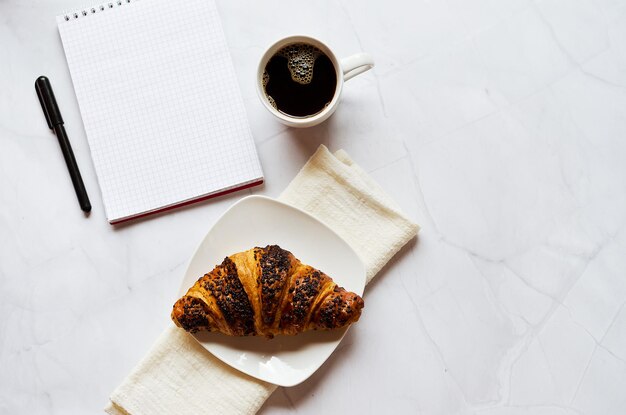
(48, 102)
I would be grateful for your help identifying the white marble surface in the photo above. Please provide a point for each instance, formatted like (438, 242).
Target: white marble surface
(500, 126)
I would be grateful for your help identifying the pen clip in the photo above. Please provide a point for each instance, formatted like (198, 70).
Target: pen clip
(43, 107)
(47, 101)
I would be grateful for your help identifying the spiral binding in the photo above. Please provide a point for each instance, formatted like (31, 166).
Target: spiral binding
(93, 10)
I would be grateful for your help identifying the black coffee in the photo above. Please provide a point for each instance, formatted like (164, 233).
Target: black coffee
(299, 80)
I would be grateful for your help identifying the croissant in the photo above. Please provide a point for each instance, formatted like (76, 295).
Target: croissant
(265, 292)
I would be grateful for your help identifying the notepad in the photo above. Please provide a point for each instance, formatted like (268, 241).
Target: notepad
(160, 103)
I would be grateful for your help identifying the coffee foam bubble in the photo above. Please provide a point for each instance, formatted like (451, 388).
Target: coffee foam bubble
(266, 78)
(300, 61)
(272, 102)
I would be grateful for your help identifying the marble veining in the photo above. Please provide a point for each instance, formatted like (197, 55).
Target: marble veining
(497, 125)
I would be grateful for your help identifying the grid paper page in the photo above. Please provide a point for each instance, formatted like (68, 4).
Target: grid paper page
(160, 102)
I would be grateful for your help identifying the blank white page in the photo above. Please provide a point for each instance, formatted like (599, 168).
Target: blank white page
(160, 103)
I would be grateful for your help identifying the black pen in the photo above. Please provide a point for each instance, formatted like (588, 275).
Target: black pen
(55, 122)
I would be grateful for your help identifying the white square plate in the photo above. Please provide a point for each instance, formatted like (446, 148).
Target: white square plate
(260, 221)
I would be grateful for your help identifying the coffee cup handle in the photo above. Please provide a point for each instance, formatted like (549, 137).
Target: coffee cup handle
(356, 64)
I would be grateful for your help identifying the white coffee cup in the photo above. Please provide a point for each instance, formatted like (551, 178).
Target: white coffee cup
(345, 68)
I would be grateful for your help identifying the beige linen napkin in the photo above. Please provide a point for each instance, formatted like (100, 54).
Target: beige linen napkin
(178, 376)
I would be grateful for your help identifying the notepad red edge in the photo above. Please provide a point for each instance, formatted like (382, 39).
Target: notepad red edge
(188, 202)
